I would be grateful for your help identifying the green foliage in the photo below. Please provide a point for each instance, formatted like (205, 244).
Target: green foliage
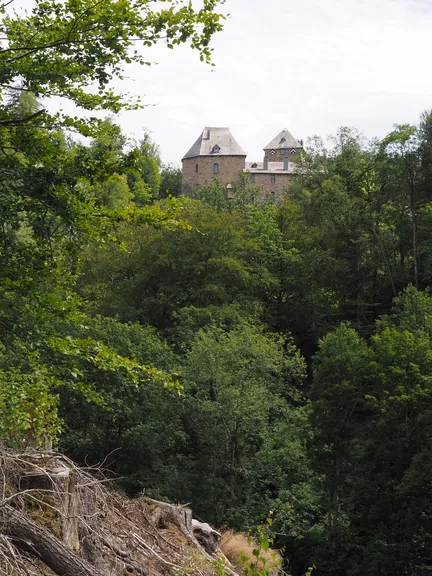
(57, 197)
(129, 412)
(343, 451)
(257, 565)
(28, 407)
(242, 388)
(63, 48)
(171, 181)
(371, 417)
(243, 356)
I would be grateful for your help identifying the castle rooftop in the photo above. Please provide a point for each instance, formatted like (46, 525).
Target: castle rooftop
(215, 141)
(283, 140)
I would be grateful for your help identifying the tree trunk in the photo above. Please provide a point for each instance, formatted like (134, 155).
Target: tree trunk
(39, 542)
(233, 474)
(385, 260)
(414, 243)
(414, 219)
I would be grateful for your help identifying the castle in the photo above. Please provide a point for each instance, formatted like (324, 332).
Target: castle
(217, 154)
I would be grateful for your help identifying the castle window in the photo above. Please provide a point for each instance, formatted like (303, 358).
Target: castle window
(273, 178)
(282, 151)
(252, 177)
(196, 168)
(215, 168)
(293, 151)
(273, 193)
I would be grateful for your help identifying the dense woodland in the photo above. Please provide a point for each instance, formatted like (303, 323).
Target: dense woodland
(256, 359)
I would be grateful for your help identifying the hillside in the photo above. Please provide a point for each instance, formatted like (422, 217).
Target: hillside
(59, 519)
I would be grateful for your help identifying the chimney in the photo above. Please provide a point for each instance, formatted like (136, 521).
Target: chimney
(265, 167)
(285, 163)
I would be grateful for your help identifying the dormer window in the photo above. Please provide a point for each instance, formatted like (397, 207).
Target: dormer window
(254, 165)
(215, 168)
(283, 140)
(215, 149)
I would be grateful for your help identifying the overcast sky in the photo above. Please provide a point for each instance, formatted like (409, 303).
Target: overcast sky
(307, 65)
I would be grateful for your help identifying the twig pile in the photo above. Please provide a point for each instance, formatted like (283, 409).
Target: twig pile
(70, 516)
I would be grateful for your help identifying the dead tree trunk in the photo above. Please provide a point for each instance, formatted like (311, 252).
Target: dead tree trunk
(39, 542)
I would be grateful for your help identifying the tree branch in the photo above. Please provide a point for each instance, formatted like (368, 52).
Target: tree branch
(17, 121)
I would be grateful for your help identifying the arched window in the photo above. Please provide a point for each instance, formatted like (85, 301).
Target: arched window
(215, 168)
(196, 168)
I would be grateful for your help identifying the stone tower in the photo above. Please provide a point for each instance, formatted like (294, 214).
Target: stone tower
(216, 154)
(283, 148)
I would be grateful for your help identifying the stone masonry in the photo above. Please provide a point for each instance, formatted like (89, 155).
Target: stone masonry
(199, 172)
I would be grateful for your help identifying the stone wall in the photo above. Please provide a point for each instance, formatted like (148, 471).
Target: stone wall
(278, 157)
(199, 171)
(264, 181)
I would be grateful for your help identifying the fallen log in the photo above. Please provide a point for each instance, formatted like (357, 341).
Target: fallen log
(42, 544)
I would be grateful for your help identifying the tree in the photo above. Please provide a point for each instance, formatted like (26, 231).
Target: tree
(119, 172)
(171, 181)
(61, 49)
(338, 408)
(56, 198)
(241, 385)
(371, 414)
(401, 149)
(136, 429)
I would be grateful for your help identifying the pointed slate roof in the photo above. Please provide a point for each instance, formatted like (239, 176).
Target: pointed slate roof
(283, 140)
(215, 141)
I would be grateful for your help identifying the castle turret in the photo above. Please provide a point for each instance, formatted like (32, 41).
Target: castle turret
(273, 176)
(283, 148)
(216, 154)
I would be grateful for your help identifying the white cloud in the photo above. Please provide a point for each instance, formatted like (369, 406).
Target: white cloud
(310, 66)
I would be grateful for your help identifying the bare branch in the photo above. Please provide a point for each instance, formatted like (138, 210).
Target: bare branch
(5, 5)
(17, 121)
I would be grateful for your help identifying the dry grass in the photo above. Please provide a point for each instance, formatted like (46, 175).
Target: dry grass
(235, 545)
